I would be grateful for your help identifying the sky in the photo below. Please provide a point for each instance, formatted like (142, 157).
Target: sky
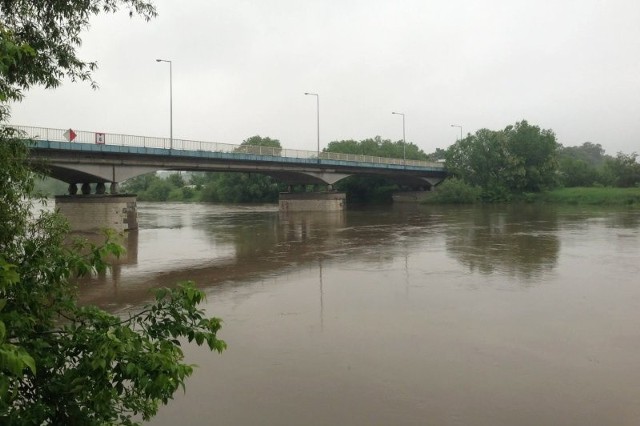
(241, 68)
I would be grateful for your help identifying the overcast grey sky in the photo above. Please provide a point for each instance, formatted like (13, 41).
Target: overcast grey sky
(241, 68)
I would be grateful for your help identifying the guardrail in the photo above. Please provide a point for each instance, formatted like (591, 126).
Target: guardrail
(81, 136)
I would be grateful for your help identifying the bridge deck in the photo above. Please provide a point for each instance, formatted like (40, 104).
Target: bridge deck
(95, 142)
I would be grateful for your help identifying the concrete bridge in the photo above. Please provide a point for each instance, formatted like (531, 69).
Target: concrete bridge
(84, 158)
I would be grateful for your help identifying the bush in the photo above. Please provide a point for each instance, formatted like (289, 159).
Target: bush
(456, 191)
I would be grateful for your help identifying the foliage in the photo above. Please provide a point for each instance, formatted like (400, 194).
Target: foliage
(66, 364)
(377, 147)
(624, 170)
(363, 189)
(49, 186)
(520, 158)
(455, 191)
(582, 165)
(243, 187)
(438, 155)
(61, 363)
(535, 150)
(587, 165)
(151, 187)
(373, 188)
(38, 41)
(258, 140)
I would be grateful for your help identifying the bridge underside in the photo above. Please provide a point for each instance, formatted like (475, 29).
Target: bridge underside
(78, 173)
(85, 164)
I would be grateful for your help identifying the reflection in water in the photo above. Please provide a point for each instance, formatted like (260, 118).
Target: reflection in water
(398, 315)
(219, 245)
(518, 241)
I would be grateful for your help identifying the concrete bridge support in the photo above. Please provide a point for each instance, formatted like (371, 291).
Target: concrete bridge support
(93, 212)
(312, 201)
(88, 212)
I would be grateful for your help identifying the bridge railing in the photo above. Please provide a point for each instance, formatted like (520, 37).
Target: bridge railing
(58, 135)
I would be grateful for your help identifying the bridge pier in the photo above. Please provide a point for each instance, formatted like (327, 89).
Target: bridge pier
(88, 212)
(312, 201)
(93, 212)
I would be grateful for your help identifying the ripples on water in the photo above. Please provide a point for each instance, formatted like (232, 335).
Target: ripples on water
(517, 315)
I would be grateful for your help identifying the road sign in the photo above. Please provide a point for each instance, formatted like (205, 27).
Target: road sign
(100, 138)
(70, 135)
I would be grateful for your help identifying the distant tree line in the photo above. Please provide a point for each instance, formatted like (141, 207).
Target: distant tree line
(498, 165)
(488, 166)
(222, 187)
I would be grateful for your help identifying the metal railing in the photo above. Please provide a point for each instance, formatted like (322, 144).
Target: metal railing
(58, 135)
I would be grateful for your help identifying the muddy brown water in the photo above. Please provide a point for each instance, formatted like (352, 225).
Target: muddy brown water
(511, 315)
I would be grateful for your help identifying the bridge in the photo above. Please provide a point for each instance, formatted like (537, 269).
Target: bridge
(84, 158)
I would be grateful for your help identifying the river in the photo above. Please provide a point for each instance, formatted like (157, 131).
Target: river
(405, 315)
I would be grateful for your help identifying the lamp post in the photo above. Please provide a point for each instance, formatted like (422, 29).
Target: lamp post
(404, 142)
(170, 101)
(456, 125)
(318, 120)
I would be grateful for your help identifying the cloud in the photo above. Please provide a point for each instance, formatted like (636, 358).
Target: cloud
(241, 68)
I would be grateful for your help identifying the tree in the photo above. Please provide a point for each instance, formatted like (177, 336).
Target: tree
(378, 147)
(245, 187)
(61, 363)
(520, 158)
(39, 40)
(484, 160)
(456, 191)
(373, 188)
(624, 169)
(535, 150)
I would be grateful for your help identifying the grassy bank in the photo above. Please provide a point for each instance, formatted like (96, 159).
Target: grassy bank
(591, 196)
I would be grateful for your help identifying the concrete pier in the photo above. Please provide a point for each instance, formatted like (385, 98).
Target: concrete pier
(312, 201)
(91, 213)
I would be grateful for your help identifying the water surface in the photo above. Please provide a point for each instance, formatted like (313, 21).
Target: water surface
(522, 315)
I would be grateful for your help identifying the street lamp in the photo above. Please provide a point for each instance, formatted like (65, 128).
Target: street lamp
(170, 102)
(318, 113)
(404, 142)
(456, 125)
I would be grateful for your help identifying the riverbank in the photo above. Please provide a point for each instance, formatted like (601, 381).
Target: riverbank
(594, 196)
(589, 196)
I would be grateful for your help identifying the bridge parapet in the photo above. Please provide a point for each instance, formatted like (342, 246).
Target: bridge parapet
(113, 139)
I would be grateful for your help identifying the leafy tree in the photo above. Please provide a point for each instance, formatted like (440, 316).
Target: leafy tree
(520, 158)
(576, 172)
(372, 188)
(624, 170)
(377, 147)
(456, 191)
(176, 180)
(258, 140)
(151, 187)
(535, 150)
(61, 363)
(484, 160)
(438, 154)
(158, 191)
(39, 40)
(590, 153)
(141, 183)
(244, 187)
